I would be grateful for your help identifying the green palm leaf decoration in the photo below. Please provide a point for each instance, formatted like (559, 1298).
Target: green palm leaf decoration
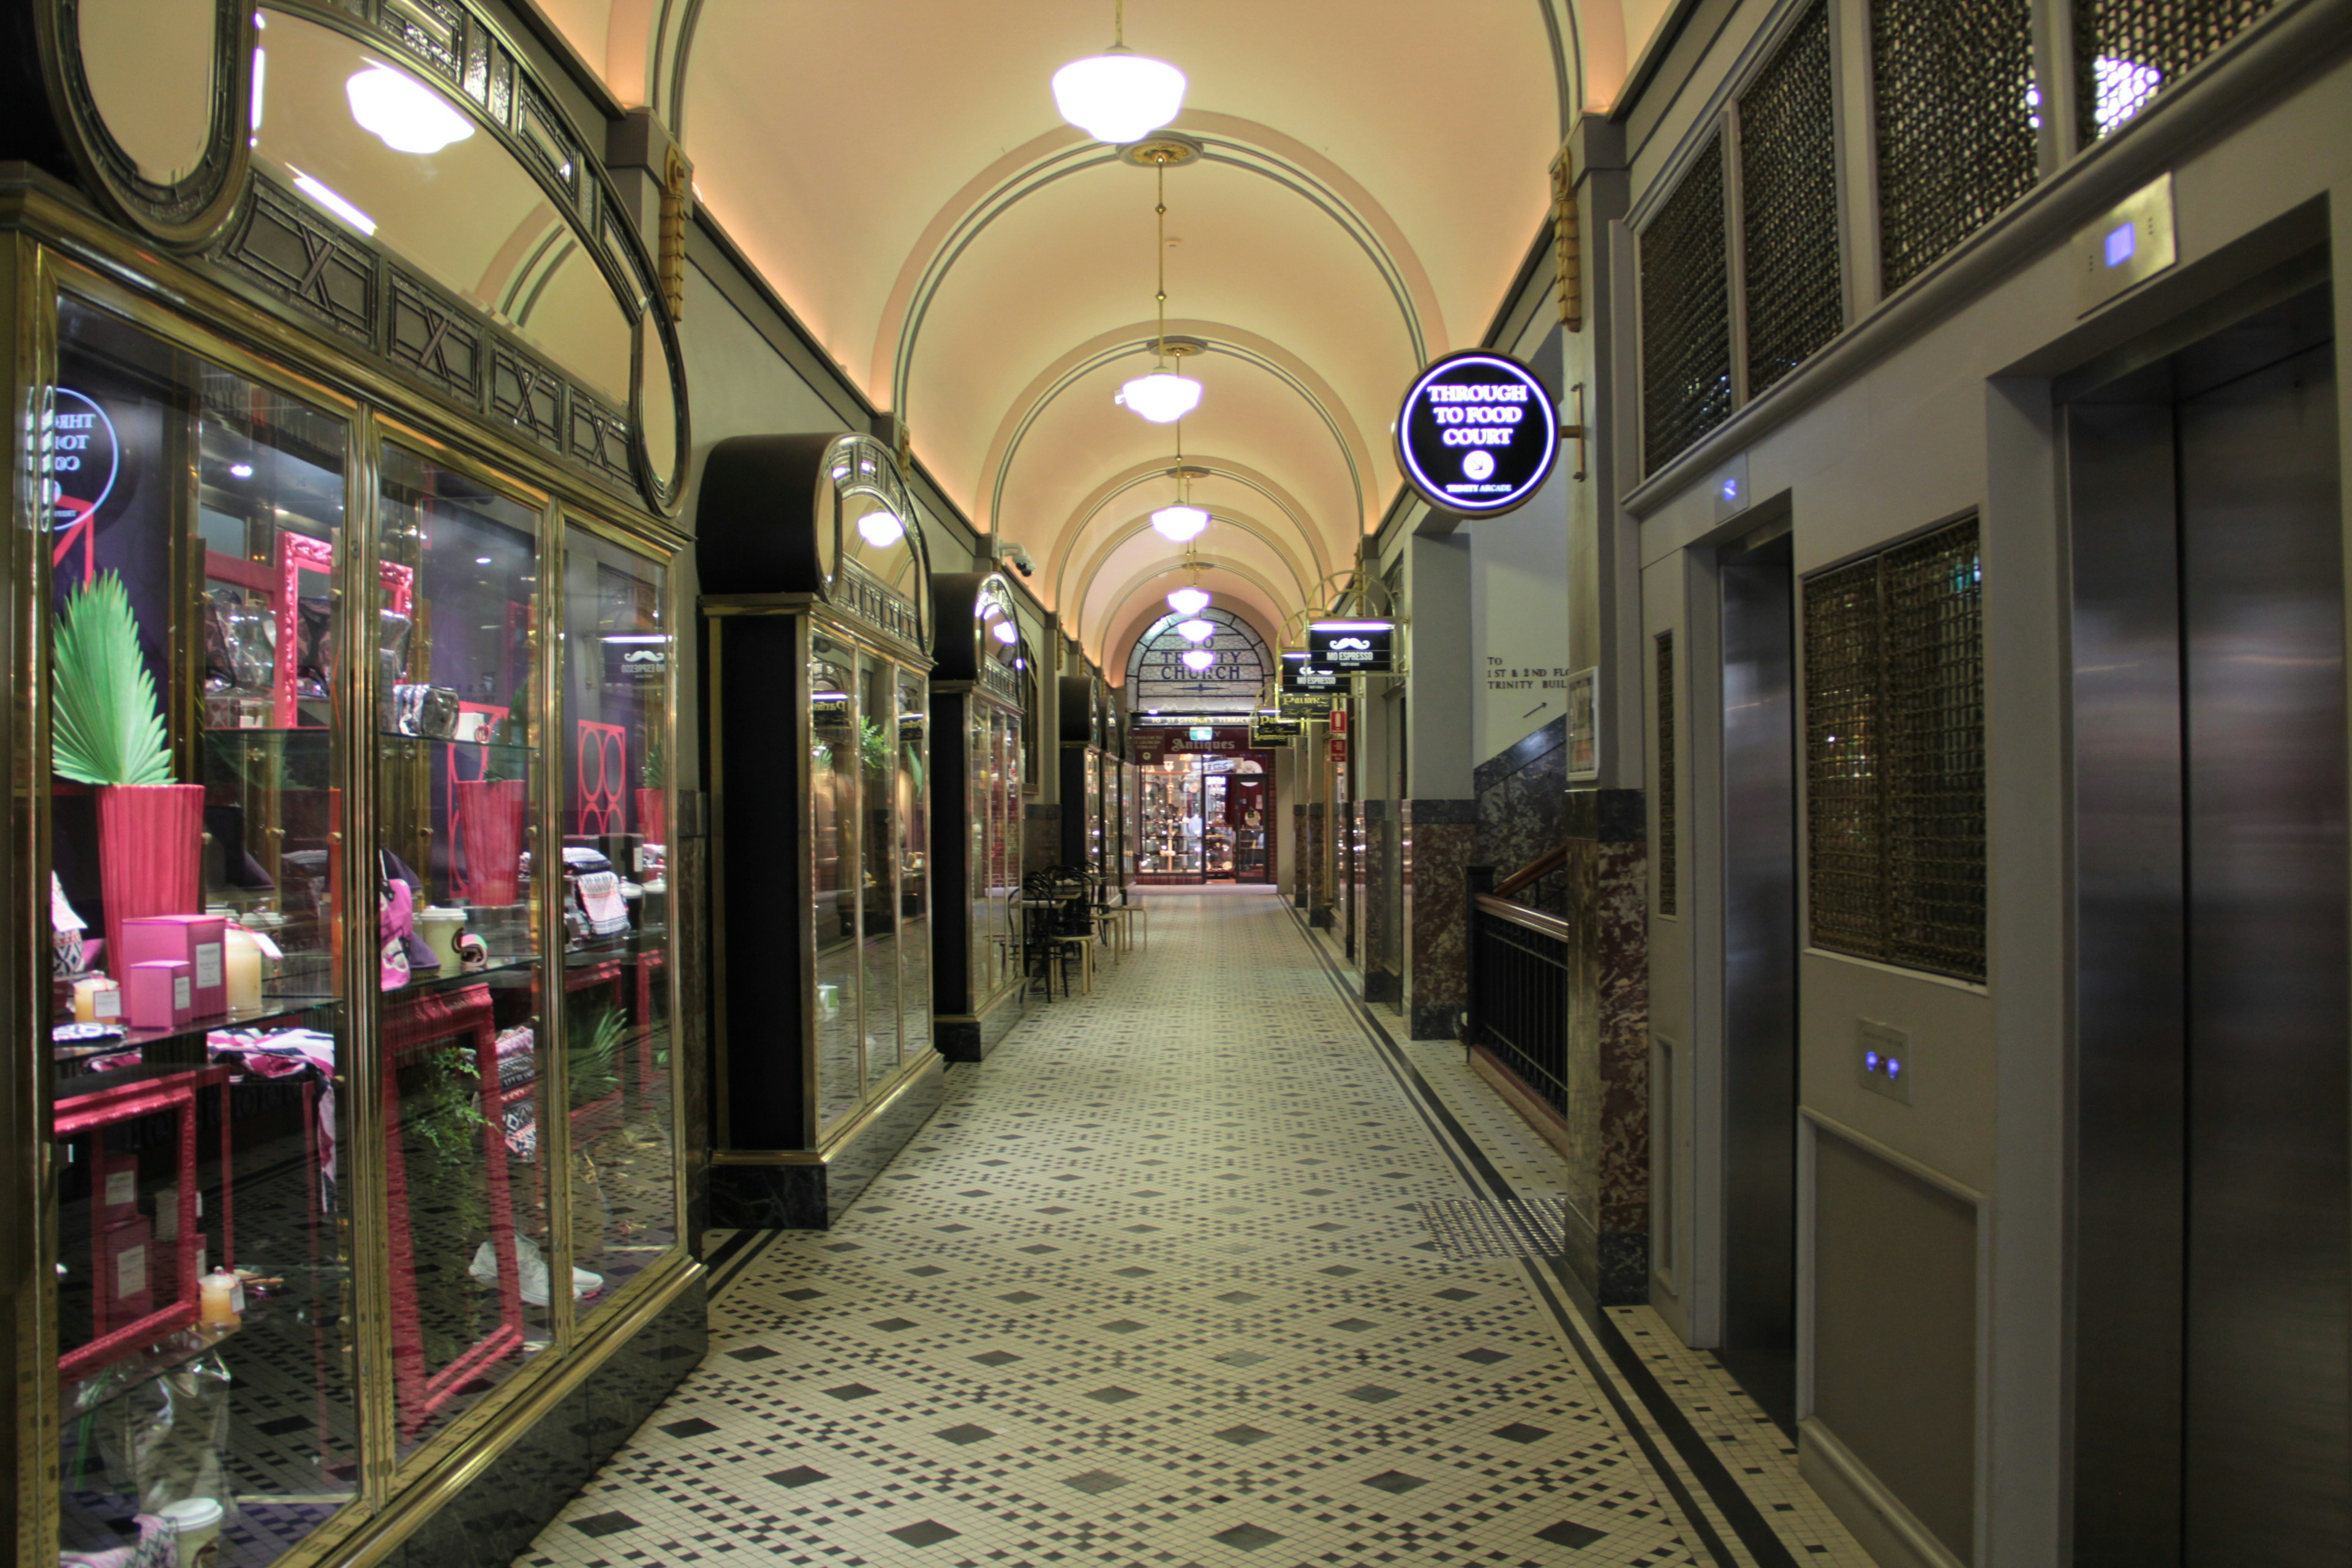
(109, 726)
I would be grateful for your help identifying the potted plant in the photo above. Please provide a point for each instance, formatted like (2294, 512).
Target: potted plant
(107, 730)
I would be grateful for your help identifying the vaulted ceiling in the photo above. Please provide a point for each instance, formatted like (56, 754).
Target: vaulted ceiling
(1373, 173)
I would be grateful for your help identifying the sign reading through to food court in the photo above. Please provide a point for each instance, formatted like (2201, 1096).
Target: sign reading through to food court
(1477, 434)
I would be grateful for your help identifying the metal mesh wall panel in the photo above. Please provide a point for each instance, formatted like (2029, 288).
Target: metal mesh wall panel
(1787, 195)
(1665, 856)
(1685, 315)
(2127, 51)
(1956, 115)
(1934, 750)
(1845, 809)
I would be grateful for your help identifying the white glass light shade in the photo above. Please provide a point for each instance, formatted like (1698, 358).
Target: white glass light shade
(1197, 659)
(1188, 601)
(1196, 630)
(1118, 96)
(1163, 397)
(403, 113)
(1005, 632)
(881, 529)
(1178, 523)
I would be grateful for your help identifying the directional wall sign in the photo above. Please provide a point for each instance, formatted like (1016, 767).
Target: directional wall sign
(1351, 647)
(1477, 434)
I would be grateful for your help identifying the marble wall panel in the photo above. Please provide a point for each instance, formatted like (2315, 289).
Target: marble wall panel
(1440, 840)
(1521, 799)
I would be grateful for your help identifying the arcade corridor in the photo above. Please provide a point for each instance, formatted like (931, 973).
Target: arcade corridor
(1151, 1289)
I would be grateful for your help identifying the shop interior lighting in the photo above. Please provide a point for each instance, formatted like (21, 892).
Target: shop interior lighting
(240, 470)
(1165, 395)
(1118, 96)
(1198, 659)
(1196, 630)
(403, 113)
(881, 529)
(1351, 625)
(1188, 601)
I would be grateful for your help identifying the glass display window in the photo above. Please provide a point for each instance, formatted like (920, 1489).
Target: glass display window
(459, 856)
(199, 1032)
(619, 1028)
(878, 844)
(834, 881)
(912, 811)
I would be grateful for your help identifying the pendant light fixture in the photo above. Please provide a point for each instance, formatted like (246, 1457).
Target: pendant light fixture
(1165, 395)
(1181, 523)
(1196, 629)
(1199, 660)
(1118, 96)
(1191, 598)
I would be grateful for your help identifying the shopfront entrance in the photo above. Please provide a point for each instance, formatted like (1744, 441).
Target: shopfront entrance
(1203, 815)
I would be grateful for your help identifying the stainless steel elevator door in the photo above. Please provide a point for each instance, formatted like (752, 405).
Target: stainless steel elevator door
(1759, 974)
(2212, 1195)
(2267, 1291)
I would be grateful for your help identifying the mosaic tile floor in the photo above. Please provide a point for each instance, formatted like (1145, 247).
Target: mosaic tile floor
(1154, 1288)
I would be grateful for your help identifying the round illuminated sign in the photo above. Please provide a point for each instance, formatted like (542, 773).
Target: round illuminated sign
(1477, 434)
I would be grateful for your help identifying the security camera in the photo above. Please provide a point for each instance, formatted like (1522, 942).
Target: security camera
(1018, 557)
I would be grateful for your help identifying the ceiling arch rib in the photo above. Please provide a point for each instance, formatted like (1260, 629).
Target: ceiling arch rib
(1066, 543)
(1302, 585)
(1226, 139)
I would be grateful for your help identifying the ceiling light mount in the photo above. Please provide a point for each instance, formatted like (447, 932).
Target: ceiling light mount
(1164, 150)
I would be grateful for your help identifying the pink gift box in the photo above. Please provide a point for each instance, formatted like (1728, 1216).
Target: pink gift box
(196, 940)
(160, 994)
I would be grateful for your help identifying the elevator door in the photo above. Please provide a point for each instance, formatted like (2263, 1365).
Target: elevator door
(2214, 1219)
(1759, 974)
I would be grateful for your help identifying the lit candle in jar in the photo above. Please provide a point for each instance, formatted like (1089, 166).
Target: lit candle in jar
(244, 961)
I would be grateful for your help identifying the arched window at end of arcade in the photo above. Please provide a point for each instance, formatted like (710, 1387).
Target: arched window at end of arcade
(397, 176)
(1239, 665)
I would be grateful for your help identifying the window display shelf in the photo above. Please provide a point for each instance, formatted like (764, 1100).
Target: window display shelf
(505, 972)
(87, 1397)
(273, 1010)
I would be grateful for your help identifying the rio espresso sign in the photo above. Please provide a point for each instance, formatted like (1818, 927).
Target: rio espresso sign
(1477, 434)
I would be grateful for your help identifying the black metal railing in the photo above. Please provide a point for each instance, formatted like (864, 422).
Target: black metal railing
(1518, 989)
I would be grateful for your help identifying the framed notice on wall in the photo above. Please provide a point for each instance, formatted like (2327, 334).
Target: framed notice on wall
(1584, 723)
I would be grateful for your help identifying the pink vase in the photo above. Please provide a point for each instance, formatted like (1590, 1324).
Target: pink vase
(653, 815)
(151, 857)
(490, 816)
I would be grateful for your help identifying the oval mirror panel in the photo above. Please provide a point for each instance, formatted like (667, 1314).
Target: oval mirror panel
(657, 406)
(149, 64)
(384, 152)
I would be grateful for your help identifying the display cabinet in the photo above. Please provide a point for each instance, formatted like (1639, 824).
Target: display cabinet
(343, 1142)
(815, 640)
(976, 721)
(1082, 707)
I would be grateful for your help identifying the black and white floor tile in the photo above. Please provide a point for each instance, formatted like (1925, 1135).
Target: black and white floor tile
(1155, 1288)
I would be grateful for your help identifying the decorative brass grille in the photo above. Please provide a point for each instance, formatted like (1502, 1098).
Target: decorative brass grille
(2127, 51)
(1933, 594)
(1686, 314)
(1788, 195)
(1894, 756)
(1844, 815)
(1957, 113)
(1667, 865)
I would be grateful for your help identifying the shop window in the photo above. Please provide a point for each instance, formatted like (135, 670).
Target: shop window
(2127, 51)
(1958, 112)
(1894, 756)
(1686, 314)
(1788, 209)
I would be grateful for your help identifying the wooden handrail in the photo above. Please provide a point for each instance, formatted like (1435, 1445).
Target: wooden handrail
(1520, 915)
(1551, 860)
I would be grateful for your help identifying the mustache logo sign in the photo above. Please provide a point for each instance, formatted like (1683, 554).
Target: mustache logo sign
(1352, 642)
(643, 656)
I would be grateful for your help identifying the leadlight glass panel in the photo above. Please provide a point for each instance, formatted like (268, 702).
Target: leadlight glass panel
(2127, 51)
(1789, 217)
(1957, 113)
(1685, 315)
(1845, 833)
(1933, 594)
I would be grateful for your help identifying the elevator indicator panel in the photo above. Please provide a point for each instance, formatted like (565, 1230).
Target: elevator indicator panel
(2125, 246)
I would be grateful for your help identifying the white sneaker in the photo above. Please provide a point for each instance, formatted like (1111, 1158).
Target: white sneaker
(531, 1264)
